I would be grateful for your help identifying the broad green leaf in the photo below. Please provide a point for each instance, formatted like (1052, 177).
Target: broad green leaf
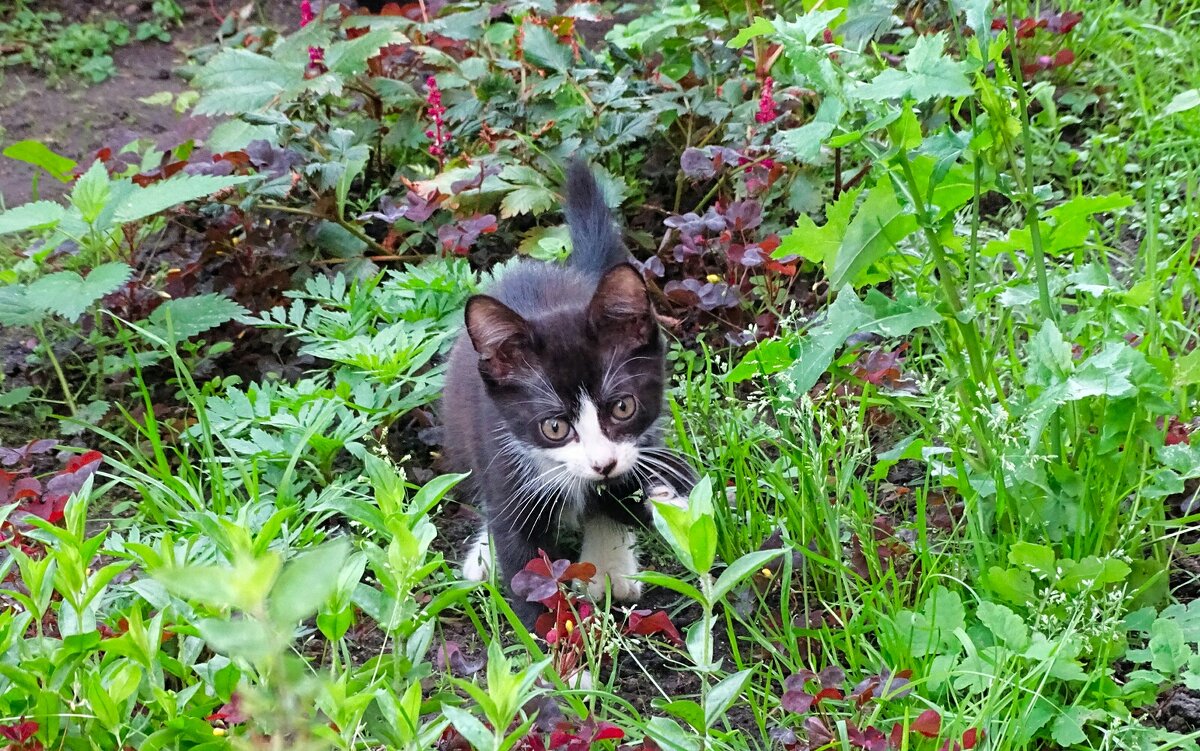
(469, 726)
(18, 396)
(1187, 370)
(1182, 102)
(69, 295)
(245, 638)
(759, 27)
(928, 73)
(237, 80)
(527, 199)
(896, 318)
(674, 525)
(721, 696)
(686, 710)
(17, 308)
(306, 582)
(178, 320)
(39, 155)
(1169, 651)
(30, 216)
(846, 316)
(748, 564)
(945, 612)
(669, 582)
(979, 15)
(1005, 625)
(542, 48)
(820, 244)
(670, 736)
(160, 196)
(768, 357)
(806, 28)
(878, 227)
(1067, 729)
(1037, 558)
(349, 58)
(702, 544)
(1049, 356)
(91, 192)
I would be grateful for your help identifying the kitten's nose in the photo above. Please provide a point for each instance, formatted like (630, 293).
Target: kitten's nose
(605, 469)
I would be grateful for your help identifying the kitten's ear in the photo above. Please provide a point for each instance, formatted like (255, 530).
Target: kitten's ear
(621, 308)
(499, 334)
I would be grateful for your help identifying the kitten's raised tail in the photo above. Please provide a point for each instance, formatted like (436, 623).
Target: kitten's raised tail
(596, 244)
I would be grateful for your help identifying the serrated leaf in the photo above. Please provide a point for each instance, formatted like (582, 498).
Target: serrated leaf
(526, 199)
(542, 48)
(928, 73)
(1005, 625)
(177, 320)
(91, 191)
(846, 316)
(67, 294)
(349, 58)
(30, 216)
(1067, 729)
(238, 80)
(880, 224)
(160, 196)
(16, 307)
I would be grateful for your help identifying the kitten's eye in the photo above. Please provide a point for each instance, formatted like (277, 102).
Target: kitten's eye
(623, 408)
(556, 429)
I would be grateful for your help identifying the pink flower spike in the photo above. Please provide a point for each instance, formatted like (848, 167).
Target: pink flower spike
(306, 13)
(766, 102)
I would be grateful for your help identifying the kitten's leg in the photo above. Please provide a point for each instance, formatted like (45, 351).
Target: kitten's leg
(609, 545)
(477, 563)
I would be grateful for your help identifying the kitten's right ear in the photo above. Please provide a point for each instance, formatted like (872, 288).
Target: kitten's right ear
(499, 334)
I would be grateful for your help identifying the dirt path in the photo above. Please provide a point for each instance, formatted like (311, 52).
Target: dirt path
(77, 119)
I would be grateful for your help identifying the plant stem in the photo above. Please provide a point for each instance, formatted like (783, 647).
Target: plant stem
(58, 371)
(350, 227)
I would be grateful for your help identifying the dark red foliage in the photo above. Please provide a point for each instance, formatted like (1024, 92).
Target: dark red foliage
(457, 237)
(451, 655)
(20, 736)
(229, 714)
(645, 623)
(1177, 433)
(928, 723)
(580, 738)
(869, 738)
(540, 579)
(33, 497)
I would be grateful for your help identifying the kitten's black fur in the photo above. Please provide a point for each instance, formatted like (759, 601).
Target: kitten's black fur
(545, 342)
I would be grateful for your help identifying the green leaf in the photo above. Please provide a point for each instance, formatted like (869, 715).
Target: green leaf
(527, 199)
(879, 226)
(1182, 102)
(748, 564)
(679, 586)
(896, 318)
(349, 58)
(246, 638)
(29, 216)
(686, 710)
(91, 192)
(1067, 729)
(721, 696)
(802, 31)
(670, 736)
(1037, 558)
(68, 294)
(160, 196)
(1049, 356)
(16, 397)
(1005, 625)
(846, 316)
(820, 244)
(238, 80)
(979, 15)
(759, 27)
(928, 73)
(306, 582)
(17, 308)
(1169, 651)
(702, 544)
(1187, 370)
(178, 320)
(39, 155)
(542, 48)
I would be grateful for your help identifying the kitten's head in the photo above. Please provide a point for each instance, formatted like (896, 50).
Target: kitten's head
(577, 389)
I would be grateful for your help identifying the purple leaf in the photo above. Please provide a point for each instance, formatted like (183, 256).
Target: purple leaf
(271, 160)
(476, 180)
(451, 654)
(798, 681)
(534, 587)
(744, 215)
(703, 295)
(796, 701)
(832, 677)
(697, 164)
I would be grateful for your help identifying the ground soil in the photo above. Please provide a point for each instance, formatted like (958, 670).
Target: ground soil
(76, 119)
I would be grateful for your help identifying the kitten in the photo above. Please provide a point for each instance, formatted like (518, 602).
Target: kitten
(552, 402)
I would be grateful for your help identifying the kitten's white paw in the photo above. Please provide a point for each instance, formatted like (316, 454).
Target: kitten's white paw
(666, 494)
(581, 680)
(478, 560)
(609, 546)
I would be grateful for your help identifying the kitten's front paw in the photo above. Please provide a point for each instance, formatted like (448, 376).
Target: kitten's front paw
(622, 587)
(667, 494)
(478, 560)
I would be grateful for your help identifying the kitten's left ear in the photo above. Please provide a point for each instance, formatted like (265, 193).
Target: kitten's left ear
(621, 307)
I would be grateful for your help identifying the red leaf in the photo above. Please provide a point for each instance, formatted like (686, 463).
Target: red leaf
(1063, 57)
(645, 623)
(75, 463)
(928, 724)
(971, 737)
(19, 732)
(896, 737)
(230, 713)
(607, 731)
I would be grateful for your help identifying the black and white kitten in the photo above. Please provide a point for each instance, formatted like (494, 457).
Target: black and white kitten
(552, 402)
